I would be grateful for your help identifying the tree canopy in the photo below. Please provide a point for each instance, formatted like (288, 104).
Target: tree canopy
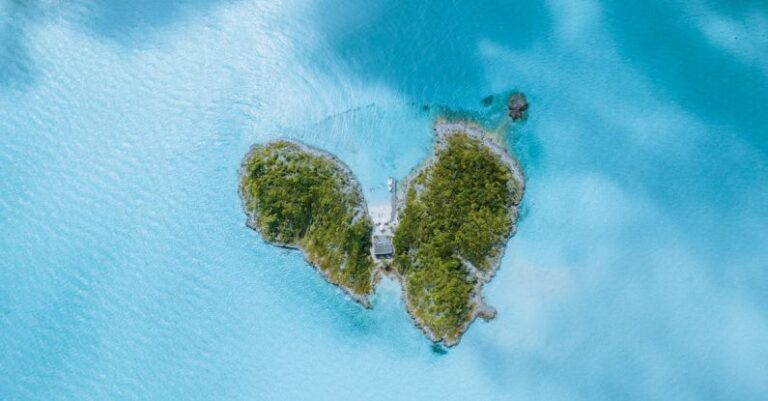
(304, 198)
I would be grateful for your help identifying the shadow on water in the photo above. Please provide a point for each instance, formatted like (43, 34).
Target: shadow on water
(16, 67)
(694, 72)
(428, 50)
(126, 21)
(129, 23)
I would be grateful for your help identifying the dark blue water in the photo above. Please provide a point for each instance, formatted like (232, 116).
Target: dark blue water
(639, 269)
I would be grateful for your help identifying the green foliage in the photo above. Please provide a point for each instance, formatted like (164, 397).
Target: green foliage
(303, 198)
(459, 210)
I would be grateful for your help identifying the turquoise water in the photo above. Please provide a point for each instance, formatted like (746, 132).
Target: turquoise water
(639, 270)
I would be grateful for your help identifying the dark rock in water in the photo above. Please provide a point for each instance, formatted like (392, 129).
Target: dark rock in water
(439, 349)
(488, 100)
(518, 105)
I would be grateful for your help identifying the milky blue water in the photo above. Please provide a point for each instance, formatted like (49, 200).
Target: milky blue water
(639, 270)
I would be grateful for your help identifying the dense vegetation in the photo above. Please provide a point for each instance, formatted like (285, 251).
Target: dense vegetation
(458, 212)
(300, 197)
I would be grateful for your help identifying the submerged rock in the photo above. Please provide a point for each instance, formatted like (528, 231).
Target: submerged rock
(518, 105)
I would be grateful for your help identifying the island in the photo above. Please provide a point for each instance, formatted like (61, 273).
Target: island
(442, 240)
(304, 198)
(458, 211)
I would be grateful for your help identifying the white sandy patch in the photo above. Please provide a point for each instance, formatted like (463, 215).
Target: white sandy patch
(381, 212)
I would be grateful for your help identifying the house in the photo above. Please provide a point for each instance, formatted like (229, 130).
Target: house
(382, 246)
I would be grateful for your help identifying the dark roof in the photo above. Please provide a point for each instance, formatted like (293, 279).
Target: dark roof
(382, 245)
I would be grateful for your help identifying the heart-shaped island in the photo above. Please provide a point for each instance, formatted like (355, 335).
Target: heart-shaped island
(451, 221)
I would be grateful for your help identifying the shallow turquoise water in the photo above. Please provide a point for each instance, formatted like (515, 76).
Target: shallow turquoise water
(639, 269)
